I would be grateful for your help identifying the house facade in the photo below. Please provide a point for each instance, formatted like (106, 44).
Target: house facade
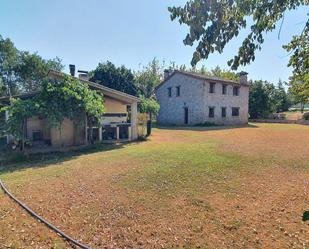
(119, 122)
(190, 99)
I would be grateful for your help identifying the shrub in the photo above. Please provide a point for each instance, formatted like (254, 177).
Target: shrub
(306, 116)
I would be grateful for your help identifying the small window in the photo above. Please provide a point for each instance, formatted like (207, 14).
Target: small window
(235, 111)
(211, 112)
(178, 91)
(37, 135)
(235, 90)
(224, 88)
(223, 112)
(169, 90)
(212, 87)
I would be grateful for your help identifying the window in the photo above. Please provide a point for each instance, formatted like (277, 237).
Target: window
(223, 112)
(235, 90)
(36, 135)
(211, 112)
(212, 87)
(169, 90)
(235, 111)
(224, 88)
(177, 91)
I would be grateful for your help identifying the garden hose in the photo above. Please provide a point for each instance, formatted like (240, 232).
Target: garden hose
(55, 229)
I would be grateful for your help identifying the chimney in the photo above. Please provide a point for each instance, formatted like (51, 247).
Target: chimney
(72, 69)
(243, 78)
(167, 73)
(83, 75)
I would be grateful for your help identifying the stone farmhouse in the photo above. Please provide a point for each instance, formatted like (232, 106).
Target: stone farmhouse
(187, 98)
(119, 123)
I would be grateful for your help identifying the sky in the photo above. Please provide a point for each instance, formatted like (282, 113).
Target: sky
(130, 33)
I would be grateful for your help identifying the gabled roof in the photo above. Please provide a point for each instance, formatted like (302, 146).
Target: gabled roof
(201, 77)
(121, 96)
(106, 90)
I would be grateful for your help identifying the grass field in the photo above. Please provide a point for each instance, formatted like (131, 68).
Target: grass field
(232, 187)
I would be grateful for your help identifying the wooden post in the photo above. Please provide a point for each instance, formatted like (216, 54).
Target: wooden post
(6, 119)
(86, 131)
(134, 121)
(100, 133)
(117, 133)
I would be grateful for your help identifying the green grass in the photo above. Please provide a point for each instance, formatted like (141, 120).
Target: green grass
(181, 168)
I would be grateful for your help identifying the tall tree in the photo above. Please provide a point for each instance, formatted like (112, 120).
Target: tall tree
(148, 78)
(21, 71)
(118, 78)
(213, 24)
(259, 99)
(299, 61)
(32, 69)
(281, 99)
(9, 57)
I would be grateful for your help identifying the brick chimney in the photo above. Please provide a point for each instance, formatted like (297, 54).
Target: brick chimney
(167, 73)
(72, 70)
(243, 78)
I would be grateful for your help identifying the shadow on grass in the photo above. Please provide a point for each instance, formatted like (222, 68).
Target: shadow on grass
(203, 127)
(15, 161)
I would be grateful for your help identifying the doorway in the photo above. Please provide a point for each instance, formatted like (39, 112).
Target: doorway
(186, 113)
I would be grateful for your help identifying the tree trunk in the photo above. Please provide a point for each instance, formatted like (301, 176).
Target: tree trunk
(302, 106)
(60, 133)
(149, 125)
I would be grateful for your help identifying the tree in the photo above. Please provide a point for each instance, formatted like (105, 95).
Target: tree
(19, 112)
(265, 98)
(299, 89)
(118, 78)
(281, 99)
(9, 56)
(148, 78)
(213, 24)
(150, 106)
(21, 71)
(299, 61)
(225, 74)
(33, 69)
(59, 99)
(259, 100)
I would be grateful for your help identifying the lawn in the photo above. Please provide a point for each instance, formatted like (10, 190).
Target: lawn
(193, 187)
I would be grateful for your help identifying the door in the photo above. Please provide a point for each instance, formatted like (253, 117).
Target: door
(186, 113)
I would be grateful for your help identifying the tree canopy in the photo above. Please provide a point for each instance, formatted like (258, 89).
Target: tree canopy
(266, 98)
(8, 64)
(33, 69)
(59, 99)
(21, 71)
(299, 61)
(148, 78)
(213, 24)
(149, 105)
(119, 78)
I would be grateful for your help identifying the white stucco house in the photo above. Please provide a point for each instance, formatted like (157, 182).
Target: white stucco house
(187, 98)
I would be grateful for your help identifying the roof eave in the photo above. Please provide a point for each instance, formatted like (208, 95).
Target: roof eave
(97, 86)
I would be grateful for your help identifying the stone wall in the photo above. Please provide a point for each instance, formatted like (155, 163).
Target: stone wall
(194, 94)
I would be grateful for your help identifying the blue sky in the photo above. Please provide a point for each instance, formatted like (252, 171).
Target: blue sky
(128, 32)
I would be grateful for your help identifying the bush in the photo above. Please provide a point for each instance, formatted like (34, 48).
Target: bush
(306, 116)
(280, 116)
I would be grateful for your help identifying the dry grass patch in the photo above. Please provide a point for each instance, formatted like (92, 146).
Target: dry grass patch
(241, 187)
